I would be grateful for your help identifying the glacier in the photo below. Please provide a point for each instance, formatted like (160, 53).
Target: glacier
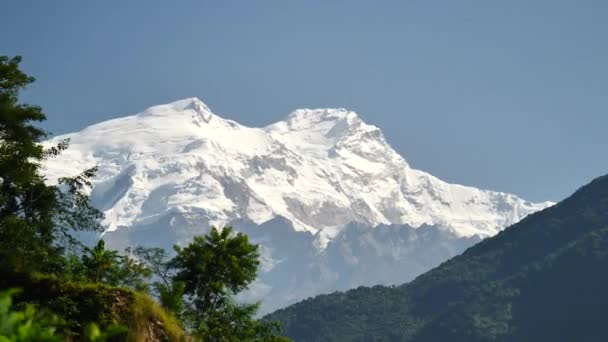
(330, 202)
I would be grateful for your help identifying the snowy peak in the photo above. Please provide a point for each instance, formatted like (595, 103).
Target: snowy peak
(192, 103)
(189, 106)
(304, 119)
(329, 132)
(324, 124)
(319, 168)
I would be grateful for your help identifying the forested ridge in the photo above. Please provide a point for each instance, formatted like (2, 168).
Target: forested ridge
(542, 279)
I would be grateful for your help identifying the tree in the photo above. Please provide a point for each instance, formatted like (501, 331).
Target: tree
(156, 260)
(170, 292)
(130, 272)
(36, 219)
(99, 261)
(108, 266)
(171, 297)
(213, 268)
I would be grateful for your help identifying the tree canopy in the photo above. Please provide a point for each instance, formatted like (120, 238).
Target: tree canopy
(213, 268)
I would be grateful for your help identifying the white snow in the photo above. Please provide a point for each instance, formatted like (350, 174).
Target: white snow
(319, 168)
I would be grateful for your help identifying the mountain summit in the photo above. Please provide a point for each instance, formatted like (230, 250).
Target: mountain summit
(171, 171)
(319, 168)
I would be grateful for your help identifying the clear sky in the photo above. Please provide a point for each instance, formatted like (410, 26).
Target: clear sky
(503, 95)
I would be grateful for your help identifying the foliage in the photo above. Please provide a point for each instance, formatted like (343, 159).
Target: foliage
(92, 332)
(80, 303)
(34, 325)
(108, 266)
(170, 292)
(171, 296)
(543, 279)
(99, 261)
(233, 322)
(27, 325)
(156, 260)
(130, 272)
(213, 268)
(36, 219)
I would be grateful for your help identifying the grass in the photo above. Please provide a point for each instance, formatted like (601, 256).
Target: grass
(80, 303)
(145, 311)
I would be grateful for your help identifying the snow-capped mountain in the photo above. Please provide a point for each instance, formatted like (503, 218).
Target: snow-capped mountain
(169, 172)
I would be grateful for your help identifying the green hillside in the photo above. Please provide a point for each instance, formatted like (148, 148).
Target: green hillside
(543, 279)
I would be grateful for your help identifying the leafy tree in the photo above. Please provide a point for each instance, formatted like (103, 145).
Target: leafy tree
(99, 261)
(169, 291)
(171, 296)
(213, 268)
(156, 260)
(36, 219)
(130, 272)
(108, 266)
(233, 322)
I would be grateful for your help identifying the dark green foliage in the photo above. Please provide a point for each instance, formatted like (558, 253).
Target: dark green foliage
(171, 296)
(543, 279)
(79, 304)
(99, 262)
(130, 272)
(169, 291)
(215, 266)
(36, 220)
(108, 266)
(210, 271)
(33, 325)
(233, 322)
(38, 252)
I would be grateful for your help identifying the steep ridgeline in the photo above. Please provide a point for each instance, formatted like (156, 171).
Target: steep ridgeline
(543, 279)
(309, 189)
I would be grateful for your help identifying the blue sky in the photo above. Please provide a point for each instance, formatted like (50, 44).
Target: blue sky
(503, 95)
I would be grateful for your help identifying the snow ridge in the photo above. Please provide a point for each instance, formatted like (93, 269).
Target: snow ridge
(319, 168)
